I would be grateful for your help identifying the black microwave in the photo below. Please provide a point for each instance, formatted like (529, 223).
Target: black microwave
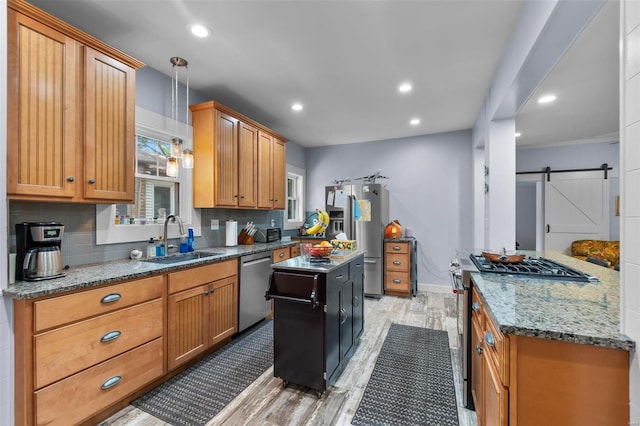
(267, 235)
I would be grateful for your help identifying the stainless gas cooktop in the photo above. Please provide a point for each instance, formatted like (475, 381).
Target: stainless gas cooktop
(533, 268)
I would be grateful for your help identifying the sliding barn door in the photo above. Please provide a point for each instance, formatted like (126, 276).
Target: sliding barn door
(576, 208)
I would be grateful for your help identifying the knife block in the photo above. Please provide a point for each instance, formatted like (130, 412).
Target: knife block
(244, 238)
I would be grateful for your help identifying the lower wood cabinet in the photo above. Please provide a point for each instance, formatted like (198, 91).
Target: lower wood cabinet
(529, 381)
(81, 352)
(202, 310)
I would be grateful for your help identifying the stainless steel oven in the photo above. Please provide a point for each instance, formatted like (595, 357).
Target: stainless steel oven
(461, 284)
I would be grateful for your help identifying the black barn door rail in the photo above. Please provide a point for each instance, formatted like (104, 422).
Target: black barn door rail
(547, 170)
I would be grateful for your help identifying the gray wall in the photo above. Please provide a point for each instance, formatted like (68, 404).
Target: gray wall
(429, 189)
(582, 156)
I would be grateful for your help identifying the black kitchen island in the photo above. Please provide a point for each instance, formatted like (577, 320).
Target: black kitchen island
(318, 318)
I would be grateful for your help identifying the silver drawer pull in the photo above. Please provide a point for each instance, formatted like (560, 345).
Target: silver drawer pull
(397, 280)
(397, 262)
(111, 382)
(396, 247)
(281, 255)
(339, 277)
(475, 306)
(489, 339)
(112, 297)
(479, 349)
(112, 335)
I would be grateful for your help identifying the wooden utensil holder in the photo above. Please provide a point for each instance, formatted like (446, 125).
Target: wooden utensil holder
(244, 238)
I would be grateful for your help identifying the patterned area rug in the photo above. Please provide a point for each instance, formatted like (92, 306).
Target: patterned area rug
(412, 381)
(196, 395)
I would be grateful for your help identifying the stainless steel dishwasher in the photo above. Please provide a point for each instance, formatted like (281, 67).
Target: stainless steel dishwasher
(255, 270)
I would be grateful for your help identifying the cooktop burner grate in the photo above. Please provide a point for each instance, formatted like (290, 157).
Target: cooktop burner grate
(535, 268)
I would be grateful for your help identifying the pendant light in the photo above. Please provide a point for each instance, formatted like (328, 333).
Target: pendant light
(177, 152)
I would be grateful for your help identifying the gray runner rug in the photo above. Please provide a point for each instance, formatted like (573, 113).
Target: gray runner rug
(412, 381)
(196, 395)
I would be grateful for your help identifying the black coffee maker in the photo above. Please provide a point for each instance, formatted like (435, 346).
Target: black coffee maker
(38, 254)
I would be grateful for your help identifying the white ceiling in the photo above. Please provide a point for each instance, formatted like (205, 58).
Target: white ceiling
(342, 59)
(585, 82)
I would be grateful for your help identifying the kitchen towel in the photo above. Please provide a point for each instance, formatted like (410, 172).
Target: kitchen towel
(231, 228)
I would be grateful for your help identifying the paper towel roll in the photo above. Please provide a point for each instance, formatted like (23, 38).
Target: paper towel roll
(231, 228)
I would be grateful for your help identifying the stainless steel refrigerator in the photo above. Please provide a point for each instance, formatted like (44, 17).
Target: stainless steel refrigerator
(361, 211)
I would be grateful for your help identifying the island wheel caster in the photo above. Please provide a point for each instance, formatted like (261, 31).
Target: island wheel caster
(285, 383)
(319, 394)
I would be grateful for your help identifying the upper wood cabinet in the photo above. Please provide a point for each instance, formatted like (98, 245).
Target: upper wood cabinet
(237, 161)
(71, 106)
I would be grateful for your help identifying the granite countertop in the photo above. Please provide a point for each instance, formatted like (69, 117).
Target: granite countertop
(587, 313)
(302, 263)
(86, 276)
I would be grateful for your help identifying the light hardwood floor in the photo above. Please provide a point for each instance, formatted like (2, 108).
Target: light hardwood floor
(265, 402)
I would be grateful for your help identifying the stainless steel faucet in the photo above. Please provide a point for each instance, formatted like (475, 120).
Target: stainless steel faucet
(174, 218)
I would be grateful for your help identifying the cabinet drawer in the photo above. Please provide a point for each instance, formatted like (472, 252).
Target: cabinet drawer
(295, 251)
(78, 306)
(67, 350)
(397, 281)
(280, 254)
(80, 396)
(396, 248)
(477, 309)
(356, 268)
(340, 275)
(194, 277)
(397, 262)
(497, 346)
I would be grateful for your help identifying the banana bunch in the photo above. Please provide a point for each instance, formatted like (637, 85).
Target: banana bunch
(320, 224)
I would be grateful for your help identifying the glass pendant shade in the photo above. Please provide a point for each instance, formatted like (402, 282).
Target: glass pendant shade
(172, 166)
(187, 159)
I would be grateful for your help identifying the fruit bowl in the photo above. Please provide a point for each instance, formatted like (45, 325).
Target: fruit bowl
(320, 251)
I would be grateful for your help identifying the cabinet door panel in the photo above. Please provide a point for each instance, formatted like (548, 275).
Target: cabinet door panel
(223, 309)
(187, 335)
(279, 162)
(265, 155)
(226, 187)
(346, 321)
(43, 124)
(332, 327)
(357, 272)
(247, 165)
(109, 128)
(495, 396)
(477, 369)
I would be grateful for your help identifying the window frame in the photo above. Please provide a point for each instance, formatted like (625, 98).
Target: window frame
(301, 175)
(151, 124)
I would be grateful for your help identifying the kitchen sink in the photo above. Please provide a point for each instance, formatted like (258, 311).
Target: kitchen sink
(177, 258)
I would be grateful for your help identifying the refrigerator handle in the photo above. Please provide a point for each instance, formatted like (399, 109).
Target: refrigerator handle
(352, 217)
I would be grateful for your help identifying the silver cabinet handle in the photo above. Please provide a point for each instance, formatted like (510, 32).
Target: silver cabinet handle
(475, 306)
(397, 262)
(110, 298)
(396, 280)
(343, 316)
(92, 181)
(281, 255)
(112, 335)
(70, 179)
(479, 349)
(489, 339)
(111, 382)
(339, 277)
(396, 247)
(356, 301)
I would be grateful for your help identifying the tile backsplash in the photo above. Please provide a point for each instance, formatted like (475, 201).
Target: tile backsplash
(79, 240)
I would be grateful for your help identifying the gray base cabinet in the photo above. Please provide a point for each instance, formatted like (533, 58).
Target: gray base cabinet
(318, 321)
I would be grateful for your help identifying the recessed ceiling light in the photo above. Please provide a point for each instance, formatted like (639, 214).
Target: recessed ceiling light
(405, 87)
(297, 106)
(414, 121)
(199, 30)
(546, 99)
(518, 134)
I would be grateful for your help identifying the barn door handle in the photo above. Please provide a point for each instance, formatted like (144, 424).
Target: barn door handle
(548, 229)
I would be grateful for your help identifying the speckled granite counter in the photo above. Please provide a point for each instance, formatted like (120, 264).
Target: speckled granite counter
(586, 313)
(301, 263)
(80, 277)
